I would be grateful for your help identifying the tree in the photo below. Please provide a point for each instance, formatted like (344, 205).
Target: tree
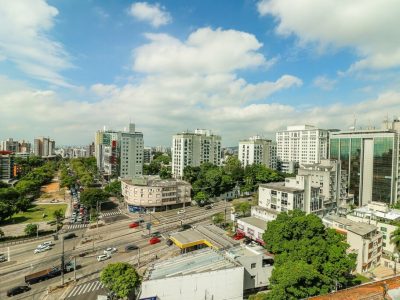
(89, 197)
(301, 242)
(58, 215)
(31, 229)
(201, 197)
(121, 278)
(114, 188)
(165, 173)
(242, 207)
(395, 239)
(6, 210)
(218, 218)
(233, 167)
(23, 204)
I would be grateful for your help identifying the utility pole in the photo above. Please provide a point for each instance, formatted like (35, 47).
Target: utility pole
(9, 257)
(97, 218)
(138, 259)
(37, 230)
(74, 268)
(62, 261)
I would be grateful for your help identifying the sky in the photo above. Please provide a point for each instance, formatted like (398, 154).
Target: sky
(239, 68)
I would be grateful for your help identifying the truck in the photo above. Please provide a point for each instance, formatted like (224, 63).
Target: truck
(48, 273)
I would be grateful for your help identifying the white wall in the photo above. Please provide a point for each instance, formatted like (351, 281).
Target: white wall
(224, 284)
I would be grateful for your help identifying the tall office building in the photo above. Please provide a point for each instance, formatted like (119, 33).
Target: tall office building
(371, 159)
(193, 149)
(257, 150)
(119, 153)
(44, 147)
(9, 145)
(302, 144)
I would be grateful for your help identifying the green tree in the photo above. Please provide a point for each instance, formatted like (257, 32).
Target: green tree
(395, 239)
(89, 197)
(23, 204)
(121, 278)
(165, 173)
(242, 207)
(31, 229)
(59, 216)
(114, 188)
(233, 167)
(218, 218)
(6, 210)
(201, 197)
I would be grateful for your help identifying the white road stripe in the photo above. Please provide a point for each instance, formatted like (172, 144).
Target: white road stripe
(73, 291)
(76, 291)
(92, 286)
(86, 288)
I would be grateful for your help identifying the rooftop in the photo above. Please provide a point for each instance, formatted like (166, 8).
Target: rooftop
(390, 215)
(356, 227)
(154, 181)
(248, 250)
(195, 262)
(257, 222)
(209, 235)
(280, 186)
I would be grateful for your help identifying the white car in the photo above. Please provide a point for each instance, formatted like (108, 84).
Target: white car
(110, 250)
(182, 211)
(103, 257)
(41, 249)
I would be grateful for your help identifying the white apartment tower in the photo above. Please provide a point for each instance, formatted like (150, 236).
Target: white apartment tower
(131, 164)
(301, 144)
(257, 150)
(193, 149)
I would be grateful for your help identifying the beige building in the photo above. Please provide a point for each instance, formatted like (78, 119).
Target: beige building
(257, 150)
(364, 239)
(155, 194)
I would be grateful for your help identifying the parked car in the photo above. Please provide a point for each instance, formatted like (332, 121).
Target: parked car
(169, 242)
(156, 234)
(154, 240)
(69, 236)
(103, 257)
(2, 258)
(208, 207)
(131, 248)
(134, 225)
(110, 250)
(18, 290)
(41, 249)
(238, 236)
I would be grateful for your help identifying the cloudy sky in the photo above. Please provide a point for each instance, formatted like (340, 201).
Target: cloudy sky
(239, 68)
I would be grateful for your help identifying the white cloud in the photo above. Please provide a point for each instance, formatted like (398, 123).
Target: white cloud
(205, 51)
(324, 83)
(370, 27)
(155, 14)
(24, 40)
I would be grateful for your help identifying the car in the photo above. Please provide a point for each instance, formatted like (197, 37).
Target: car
(139, 221)
(186, 226)
(103, 257)
(131, 247)
(83, 254)
(110, 250)
(42, 249)
(18, 290)
(134, 225)
(169, 242)
(238, 236)
(48, 243)
(208, 207)
(2, 258)
(181, 211)
(156, 234)
(154, 240)
(69, 236)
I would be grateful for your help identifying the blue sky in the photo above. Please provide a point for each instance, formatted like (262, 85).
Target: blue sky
(239, 68)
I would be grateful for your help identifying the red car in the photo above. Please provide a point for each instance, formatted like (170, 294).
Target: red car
(238, 236)
(134, 225)
(154, 240)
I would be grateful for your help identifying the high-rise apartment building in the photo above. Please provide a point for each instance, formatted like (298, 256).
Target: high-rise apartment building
(302, 144)
(147, 155)
(6, 165)
(371, 160)
(9, 145)
(119, 153)
(44, 147)
(193, 149)
(257, 150)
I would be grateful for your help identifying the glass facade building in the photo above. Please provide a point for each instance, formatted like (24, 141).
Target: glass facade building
(370, 157)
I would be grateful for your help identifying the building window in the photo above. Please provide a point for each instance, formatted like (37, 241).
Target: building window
(383, 229)
(253, 266)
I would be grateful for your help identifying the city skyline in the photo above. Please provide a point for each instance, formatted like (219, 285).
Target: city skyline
(238, 69)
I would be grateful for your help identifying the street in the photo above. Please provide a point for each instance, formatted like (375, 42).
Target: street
(116, 233)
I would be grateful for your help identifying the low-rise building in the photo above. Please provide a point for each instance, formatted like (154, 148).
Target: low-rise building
(252, 227)
(364, 239)
(155, 194)
(384, 218)
(198, 275)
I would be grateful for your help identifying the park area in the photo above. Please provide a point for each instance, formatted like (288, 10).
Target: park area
(36, 213)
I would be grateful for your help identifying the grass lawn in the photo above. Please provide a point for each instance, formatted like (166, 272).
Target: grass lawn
(35, 214)
(360, 279)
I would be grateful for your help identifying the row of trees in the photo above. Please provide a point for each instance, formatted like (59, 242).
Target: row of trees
(160, 165)
(209, 180)
(83, 170)
(309, 259)
(19, 198)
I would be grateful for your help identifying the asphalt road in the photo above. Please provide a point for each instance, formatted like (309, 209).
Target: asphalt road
(115, 234)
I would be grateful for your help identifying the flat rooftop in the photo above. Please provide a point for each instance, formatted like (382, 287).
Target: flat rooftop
(209, 235)
(356, 227)
(154, 181)
(254, 221)
(390, 215)
(280, 186)
(248, 250)
(200, 261)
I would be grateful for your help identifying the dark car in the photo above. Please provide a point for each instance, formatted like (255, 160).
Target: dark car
(131, 247)
(208, 207)
(69, 236)
(185, 227)
(169, 242)
(156, 234)
(18, 290)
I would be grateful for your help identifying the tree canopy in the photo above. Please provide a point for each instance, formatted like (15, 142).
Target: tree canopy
(89, 197)
(121, 278)
(309, 259)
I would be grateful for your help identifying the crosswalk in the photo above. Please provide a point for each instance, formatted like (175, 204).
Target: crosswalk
(85, 288)
(111, 213)
(76, 226)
